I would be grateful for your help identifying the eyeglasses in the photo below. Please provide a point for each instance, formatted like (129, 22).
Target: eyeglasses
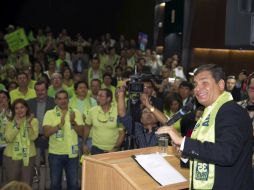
(102, 117)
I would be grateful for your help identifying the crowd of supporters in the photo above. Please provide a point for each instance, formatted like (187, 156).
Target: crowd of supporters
(63, 75)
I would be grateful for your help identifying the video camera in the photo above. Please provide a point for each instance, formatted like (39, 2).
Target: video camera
(136, 83)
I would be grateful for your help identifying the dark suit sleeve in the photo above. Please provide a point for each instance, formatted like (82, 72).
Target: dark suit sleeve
(50, 103)
(32, 106)
(232, 133)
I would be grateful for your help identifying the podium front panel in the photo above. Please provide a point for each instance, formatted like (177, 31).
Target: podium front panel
(118, 171)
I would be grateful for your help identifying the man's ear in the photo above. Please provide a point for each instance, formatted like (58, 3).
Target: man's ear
(221, 84)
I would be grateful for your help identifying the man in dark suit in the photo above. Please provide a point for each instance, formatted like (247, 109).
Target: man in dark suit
(38, 106)
(220, 147)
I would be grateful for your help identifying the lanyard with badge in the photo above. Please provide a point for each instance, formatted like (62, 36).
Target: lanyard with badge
(74, 145)
(22, 143)
(3, 121)
(59, 134)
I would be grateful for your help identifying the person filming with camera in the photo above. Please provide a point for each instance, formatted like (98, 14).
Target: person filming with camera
(144, 129)
(149, 91)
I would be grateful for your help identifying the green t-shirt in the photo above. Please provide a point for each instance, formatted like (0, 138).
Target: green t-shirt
(103, 61)
(52, 91)
(105, 127)
(31, 84)
(69, 141)
(83, 105)
(2, 87)
(15, 94)
(59, 63)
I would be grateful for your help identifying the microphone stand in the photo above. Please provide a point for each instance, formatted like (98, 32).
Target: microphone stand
(132, 135)
(131, 107)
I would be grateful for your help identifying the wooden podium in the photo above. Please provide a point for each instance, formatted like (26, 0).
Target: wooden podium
(118, 171)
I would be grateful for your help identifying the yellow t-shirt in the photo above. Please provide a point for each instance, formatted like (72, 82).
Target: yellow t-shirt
(69, 141)
(52, 91)
(86, 104)
(105, 127)
(31, 84)
(15, 94)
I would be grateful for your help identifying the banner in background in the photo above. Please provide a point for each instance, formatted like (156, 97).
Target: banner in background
(16, 40)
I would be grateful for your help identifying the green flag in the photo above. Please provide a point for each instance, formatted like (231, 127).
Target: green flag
(16, 40)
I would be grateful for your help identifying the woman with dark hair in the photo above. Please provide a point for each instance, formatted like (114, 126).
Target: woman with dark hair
(37, 71)
(173, 104)
(51, 68)
(20, 133)
(67, 78)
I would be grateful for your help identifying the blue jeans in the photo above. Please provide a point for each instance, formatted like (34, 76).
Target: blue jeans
(59, 162)
(96, 150)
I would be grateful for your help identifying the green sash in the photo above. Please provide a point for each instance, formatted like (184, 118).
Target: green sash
(67, 133)
(59, 135)
(21, 144)
(71, 137)
(3, 121)
(203, 172)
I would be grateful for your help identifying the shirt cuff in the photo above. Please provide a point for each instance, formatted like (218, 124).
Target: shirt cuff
(182, 144)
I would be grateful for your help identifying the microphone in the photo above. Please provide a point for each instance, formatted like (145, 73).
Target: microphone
(184, 110)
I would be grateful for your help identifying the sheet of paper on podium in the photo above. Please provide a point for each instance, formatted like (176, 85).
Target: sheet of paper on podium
(157, 167)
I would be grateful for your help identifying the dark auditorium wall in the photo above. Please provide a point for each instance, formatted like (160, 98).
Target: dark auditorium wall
(208, 30)
(92, 18)
(233, 61)
(137, 16)
(208, 36)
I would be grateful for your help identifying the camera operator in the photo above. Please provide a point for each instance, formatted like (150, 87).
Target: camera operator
(154, 101)
(145, 129)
